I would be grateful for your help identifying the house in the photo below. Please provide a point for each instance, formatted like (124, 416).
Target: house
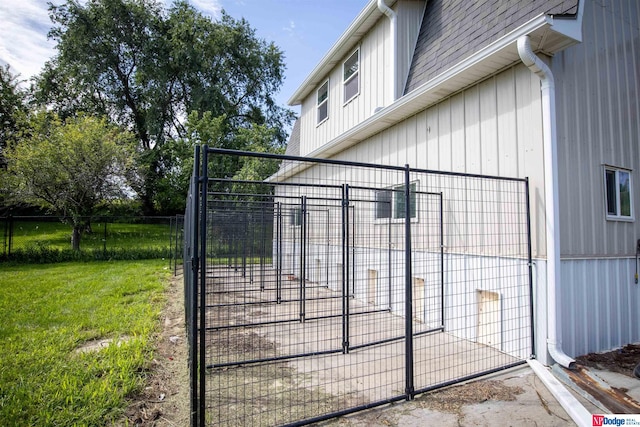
(546, 90)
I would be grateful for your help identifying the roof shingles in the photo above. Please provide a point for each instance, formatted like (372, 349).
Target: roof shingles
(455, 29)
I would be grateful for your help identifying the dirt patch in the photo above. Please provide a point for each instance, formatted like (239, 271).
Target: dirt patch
(97, 345)
(165, 400)
(622, 360)
(453, 399)
(242, 343)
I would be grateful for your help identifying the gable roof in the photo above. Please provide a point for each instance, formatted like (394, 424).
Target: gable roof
(454, 29)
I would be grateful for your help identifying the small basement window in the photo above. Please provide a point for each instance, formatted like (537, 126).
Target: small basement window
(323, 102)
(618, 201)
(351, 76)
(390, 203)
(296, 217)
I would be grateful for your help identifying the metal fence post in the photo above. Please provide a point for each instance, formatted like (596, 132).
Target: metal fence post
(203, 281)
(196, 416)
(345, 268)
(530, 263)
(409, 380)
(303, 257)
(10, 233)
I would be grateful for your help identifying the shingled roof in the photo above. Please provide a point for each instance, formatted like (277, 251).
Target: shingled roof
(454, 29)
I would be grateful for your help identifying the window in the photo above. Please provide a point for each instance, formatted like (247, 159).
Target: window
(390, 203)
(383, 204)
(617, 184)
(351, 76)
(323, 102)
(400, 203)
(296, 217)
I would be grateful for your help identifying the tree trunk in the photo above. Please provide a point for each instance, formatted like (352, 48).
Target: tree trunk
(75, 237)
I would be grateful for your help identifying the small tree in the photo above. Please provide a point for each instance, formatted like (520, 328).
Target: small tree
(70, 168)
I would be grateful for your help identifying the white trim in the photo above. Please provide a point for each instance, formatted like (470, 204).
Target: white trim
(355, 75)
(618, 216)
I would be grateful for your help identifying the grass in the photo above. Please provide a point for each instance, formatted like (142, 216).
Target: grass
(56, 235)
(48, 312)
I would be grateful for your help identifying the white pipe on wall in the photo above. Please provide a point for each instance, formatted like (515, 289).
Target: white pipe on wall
(393, 18)
(547, 88)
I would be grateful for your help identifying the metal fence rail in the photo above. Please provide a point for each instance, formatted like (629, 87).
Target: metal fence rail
(345, 286)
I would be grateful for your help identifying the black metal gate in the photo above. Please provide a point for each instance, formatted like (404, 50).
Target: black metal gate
(335, 286)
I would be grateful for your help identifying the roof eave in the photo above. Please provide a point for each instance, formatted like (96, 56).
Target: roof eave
(547, 34)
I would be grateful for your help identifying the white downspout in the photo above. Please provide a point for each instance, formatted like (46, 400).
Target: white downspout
(394, 50)
(547, 88)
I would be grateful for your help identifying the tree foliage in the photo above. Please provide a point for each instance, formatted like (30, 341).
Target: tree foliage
(148, 69)
(13, 109)
(70, 167)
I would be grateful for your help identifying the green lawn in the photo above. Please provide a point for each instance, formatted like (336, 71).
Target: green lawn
(48, 312)
(56, 235)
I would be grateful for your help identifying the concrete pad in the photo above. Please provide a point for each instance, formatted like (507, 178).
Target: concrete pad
(532, 405)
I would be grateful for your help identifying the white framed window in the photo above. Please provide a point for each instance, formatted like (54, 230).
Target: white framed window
(351, 76)
(618, 193)
(323, 102)
(391, 202)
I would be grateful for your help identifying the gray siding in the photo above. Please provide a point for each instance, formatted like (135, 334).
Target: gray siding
(598, 87)
(454, 29)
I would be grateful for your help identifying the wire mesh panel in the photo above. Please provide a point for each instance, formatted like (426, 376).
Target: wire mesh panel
(333, 286)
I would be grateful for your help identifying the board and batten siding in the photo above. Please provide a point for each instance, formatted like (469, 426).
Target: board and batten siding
(492, 128)
(376, 62)
(598, 110)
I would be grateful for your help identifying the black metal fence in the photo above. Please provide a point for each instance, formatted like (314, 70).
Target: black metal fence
(159, 235)
(337, 286)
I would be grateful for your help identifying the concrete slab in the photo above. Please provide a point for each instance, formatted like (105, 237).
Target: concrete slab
(531, 405)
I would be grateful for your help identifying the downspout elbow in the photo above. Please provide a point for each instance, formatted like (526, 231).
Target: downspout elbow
(394, 51)
(547, 87)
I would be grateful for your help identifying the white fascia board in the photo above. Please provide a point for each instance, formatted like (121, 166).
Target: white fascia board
(486, 61)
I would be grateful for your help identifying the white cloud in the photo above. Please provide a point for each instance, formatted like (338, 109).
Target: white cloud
(290, 29)
(211, 8)
(23, 36)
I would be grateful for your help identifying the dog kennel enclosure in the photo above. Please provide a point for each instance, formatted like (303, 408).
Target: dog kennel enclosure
(335, 286)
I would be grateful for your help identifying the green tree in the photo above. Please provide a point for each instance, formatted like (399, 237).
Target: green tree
(147, 69)
(13, 109)
(70, 167)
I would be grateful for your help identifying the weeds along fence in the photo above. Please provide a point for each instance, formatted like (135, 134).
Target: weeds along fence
(150, 237)
(335, 286)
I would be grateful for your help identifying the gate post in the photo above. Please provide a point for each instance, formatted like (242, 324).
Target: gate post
(303, 257)
(345, 268)
(409, 383)
(279, 254)
(202, 366)
(530, 263)
(193, 297)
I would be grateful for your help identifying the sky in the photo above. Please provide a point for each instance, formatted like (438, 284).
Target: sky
(303, 29)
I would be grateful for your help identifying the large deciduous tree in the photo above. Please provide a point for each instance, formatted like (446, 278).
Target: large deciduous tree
(148, 69)
(70, 167)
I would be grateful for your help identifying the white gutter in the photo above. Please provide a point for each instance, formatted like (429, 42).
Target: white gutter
(393, 18)
(547, 88)
(574, 408)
